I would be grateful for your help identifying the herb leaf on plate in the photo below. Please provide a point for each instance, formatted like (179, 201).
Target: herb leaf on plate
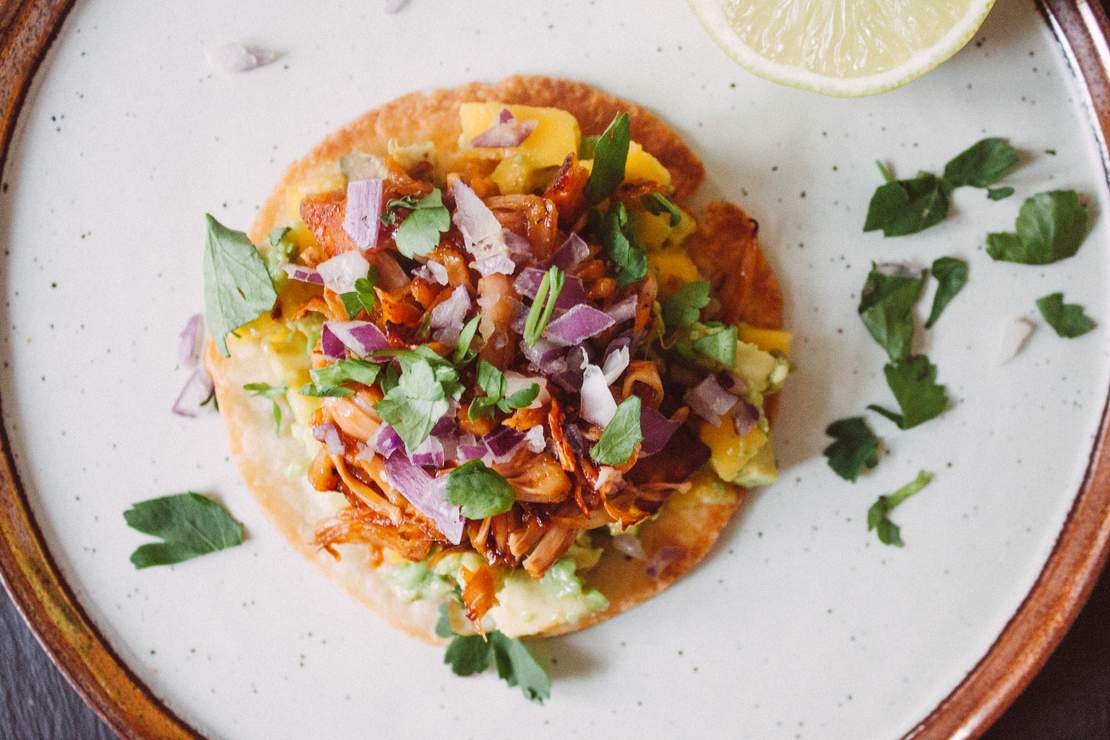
(609, 157)
(479, 490)
(982, 164)
(191, 525)
(1050, 227)
(886, 307)
(901, 207)
(237, 285)
(1067, 319)
(362, 297)
(856, 447)
(421, 395)
(1000, 193)
(621, 435)
(419, 233)
(878, 515)
(951, 275)
(913, 382)
(682, 309)
(628, 258)
(716, 343)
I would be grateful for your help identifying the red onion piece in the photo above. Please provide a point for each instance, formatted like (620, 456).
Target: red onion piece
(503, 443)
(340, 272)
(361, 337)
(188, 348)
(615, 364)
(482, 232)
(656, 429)
(426, 494)
(433, 272)
(709, 400)
(527, 283)
(630, 546)
(385, 441)
(597, 405)
(364, 209)
(331, 345)
(430, 452)
(449, 315)
(508, 131)
(498, 263)
(303, 274)
(468, 452)
(571, 253)
(744, 417)
(329, 435)
(520, 249)
(624, 309)
(662, 558)
(577, 325)
(196, 392)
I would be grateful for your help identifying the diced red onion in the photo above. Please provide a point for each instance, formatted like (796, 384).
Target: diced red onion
(657, 430)
(709, 400)
(539, 352)
(615, 364)
(630, 546)
(571, 253)
(341, 271)
(468, 452)
(433, 272)
(597, 405)
(535, 440)
(331, 345)
(482, 232)
(508, 131)
(514, 382)
(361, 337)
(449, 315)
(385, 441)
(426, 494)
(503, 443)
(329, 435)
(577, 325)
(196, 392)
(188, 346)
(447, 423)
(303, 274)
(744, 417)
(430, 452)
(495, 264)
(391, 276)
(520, 249)
(527, 283)
(624, 309)
(235, 57)
(364, 210)
(662, 558)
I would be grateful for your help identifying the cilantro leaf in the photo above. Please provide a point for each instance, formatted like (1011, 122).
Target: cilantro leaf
(1050, 227)
(543, 305)
(901, 207)
(621, 435)
(982, 164)
(627, 257)
(856, 447)
(492, 382)
(877, 515)
(480, 491)
(282, 249)
(609, 156)
(419, 233)
(520, 399)
(463, 354)
(389, 213)
(1000, 193)
(886, 308)
(338, 391)
(421, 395)
(189, 524)
(362, 297)
(335, 375)
(237, 285)
(913, 382)
(951, 275)
(272, 392)
(468, 655)
(718, 345)
(682, 309)
(1067, 319)
(657, 204)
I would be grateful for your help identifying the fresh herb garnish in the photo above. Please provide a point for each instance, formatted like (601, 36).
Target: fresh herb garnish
(191, 525)
(471, 654)
(551, 285)
(877, 515)
(419, 233)
(281, 251)
(886, 308)
(682, 309)
(951, 275)
(389, 213)
(587, 146)
(609, 156)
(616, 236)
(982, 164)
(901, 207)
(1000, 193)
(621, 435)
(1067, 319)
(657, 204)
(856, 447)
(330, 377)
(272, 392)
(480, 491)
(337, 391)
(421, 395)
(463, 353)
(913, 382)
(362, 297)
(493, 384)
(237, 285)
(1050, 227)
(717, 344)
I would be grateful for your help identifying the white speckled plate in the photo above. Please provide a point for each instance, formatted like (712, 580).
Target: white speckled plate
(799, 624)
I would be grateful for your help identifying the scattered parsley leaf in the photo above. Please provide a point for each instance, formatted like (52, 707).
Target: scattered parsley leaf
(951, 275)
(901, 207)
(913, 382)
(362, 297)
(1000, 193)
(719, 345)
(272, 392)
(493, 384)
(310, 389)
(886, 308)
(338, 373)
(856, 447)
(628, 258)
(237, 285)
(982, 164)
(609, 156)
(520, 399)
(683, 308)
(191, 525)
(468, 655)
(419, 233)
(543, 305)
(479, 490)
(877, 515)
(1050, 227)
(389, 214)
(657, 204)
(1067, 319)
(463, 354)
(421, 395)
(621, 435)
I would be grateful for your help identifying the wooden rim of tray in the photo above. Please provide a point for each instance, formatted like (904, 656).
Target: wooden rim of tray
(28, 27)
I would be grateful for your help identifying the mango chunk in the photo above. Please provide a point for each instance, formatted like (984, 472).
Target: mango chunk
(556, 134)
(728, 451)
(673, 268)
(300, 190)
(767, 340)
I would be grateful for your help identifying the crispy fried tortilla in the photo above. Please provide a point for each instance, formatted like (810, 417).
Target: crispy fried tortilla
(725, 248)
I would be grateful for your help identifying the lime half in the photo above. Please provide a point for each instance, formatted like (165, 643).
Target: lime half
(847, 48)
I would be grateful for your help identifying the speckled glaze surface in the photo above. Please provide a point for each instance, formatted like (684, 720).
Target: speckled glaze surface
(800, 624)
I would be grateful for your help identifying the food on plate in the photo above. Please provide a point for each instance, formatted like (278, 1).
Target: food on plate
(512, 369)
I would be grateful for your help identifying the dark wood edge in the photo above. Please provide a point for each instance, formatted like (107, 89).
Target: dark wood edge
(27, 569)
(28, 27)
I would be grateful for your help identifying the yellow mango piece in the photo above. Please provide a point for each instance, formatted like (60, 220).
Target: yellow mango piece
(298, 191)
(673, 268)
(515, 175)
(556, 134)
(766, 339)
(639, 166)
(651, 231)
(728, 451)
